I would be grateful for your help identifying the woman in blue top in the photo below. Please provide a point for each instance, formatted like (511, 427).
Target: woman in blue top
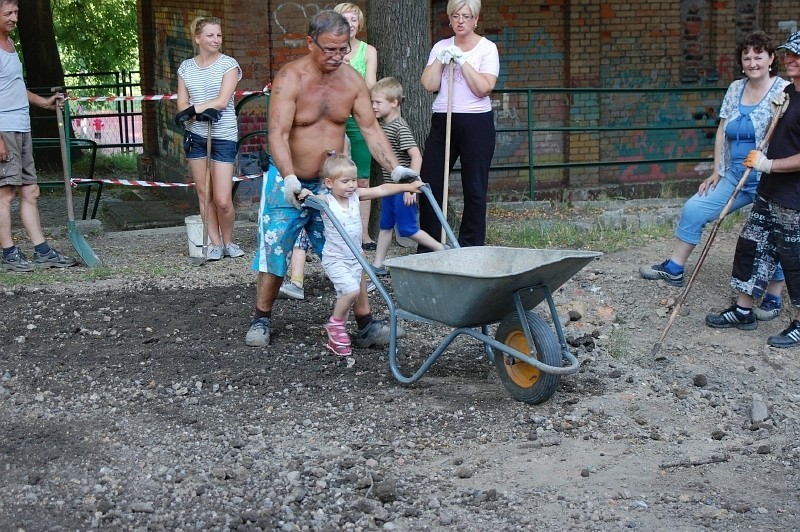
(745, 114)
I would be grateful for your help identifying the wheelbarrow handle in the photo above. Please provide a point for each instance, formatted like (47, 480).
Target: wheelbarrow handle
(451, 237)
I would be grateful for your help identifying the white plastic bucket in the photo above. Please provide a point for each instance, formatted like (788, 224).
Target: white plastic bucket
(194, 235)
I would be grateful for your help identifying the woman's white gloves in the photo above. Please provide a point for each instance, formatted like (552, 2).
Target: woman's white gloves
(451, 53)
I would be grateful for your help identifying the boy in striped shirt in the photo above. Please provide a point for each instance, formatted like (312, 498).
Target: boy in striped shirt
(400, 209)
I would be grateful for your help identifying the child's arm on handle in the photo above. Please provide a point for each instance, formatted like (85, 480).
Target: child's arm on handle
(389, 189)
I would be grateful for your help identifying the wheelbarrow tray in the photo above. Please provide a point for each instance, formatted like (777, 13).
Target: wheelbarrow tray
(474, 286)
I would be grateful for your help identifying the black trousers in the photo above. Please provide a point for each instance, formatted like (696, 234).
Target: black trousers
(472, 139)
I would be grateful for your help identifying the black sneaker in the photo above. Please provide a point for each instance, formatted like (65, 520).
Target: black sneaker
(789, 337)
(16, 261)
(659, 271)
(732, 318)
(52, 259)
(377, 333)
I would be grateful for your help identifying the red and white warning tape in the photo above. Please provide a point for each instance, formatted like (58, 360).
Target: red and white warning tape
(139, 183)
(151, 97)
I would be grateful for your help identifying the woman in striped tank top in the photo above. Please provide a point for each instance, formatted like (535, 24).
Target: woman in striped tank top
(206, 84)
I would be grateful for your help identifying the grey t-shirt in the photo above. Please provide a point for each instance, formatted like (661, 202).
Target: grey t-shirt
(14, 108)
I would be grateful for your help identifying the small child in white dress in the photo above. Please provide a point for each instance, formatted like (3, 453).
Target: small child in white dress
(339, 175)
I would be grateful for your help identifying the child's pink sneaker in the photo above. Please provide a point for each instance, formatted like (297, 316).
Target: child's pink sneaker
(338, 339)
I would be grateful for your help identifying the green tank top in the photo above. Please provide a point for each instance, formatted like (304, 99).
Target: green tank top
(359, 61)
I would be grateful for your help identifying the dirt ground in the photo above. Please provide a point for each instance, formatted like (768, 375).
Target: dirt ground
(128, 401)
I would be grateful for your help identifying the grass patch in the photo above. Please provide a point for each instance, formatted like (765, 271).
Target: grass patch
(55, 275)
(618, 345)
(567, 235)
(669, 190)
(118, 165)
(79, 274)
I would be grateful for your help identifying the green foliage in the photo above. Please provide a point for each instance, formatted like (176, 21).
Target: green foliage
(96, 35)
(115, 164)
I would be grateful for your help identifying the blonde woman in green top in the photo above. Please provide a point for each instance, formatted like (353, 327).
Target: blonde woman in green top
(364, 58)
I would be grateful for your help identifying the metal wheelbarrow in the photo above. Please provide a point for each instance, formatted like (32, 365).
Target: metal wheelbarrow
(470, 289)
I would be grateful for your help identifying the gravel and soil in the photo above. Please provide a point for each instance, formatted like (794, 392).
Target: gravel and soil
(128, 401)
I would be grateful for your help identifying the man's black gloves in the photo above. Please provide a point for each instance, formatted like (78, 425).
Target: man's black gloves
(183, 116)
(209, 115)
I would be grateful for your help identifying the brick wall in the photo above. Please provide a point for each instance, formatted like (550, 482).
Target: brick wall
(543, 44)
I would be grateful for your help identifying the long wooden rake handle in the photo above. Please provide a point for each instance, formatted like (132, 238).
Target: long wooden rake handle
(448, 131)
(776, 115)
(207, 186)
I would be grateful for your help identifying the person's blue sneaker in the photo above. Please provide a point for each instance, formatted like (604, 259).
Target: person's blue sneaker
(214, 252)
(789, 337)
(768, 309)
(660, 271)
(380, 271)
(732, 318)
(258, 334)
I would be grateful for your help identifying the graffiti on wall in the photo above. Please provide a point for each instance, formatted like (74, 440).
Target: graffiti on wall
(514, 49)
(173, 45)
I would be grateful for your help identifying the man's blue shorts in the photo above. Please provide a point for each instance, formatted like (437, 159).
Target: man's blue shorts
(279, 224)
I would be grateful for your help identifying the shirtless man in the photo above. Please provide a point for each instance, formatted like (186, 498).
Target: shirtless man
(310, 101)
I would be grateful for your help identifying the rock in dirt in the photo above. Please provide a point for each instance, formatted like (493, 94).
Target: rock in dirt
(759, 411)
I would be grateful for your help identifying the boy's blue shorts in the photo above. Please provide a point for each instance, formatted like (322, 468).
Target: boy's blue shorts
(395, 212)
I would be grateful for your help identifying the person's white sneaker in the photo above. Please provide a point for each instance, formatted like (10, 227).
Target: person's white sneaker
(232, 250)
(214, 252)
(290, 290)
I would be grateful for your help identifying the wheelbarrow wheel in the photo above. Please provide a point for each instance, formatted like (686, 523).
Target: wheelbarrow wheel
(523, 381)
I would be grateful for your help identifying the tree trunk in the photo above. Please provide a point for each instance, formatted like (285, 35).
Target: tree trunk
(43, 70)
(401, 32)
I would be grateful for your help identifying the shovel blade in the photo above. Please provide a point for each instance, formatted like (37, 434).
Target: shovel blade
(85, 251)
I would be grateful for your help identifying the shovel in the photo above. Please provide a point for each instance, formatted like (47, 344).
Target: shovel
(85, 251)
(199, 261)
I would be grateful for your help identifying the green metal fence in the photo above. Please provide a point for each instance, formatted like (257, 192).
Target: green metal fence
(114, 126)
(561, 138)
(549, 140)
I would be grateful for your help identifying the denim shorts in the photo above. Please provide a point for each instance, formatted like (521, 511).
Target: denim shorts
(222, 151)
